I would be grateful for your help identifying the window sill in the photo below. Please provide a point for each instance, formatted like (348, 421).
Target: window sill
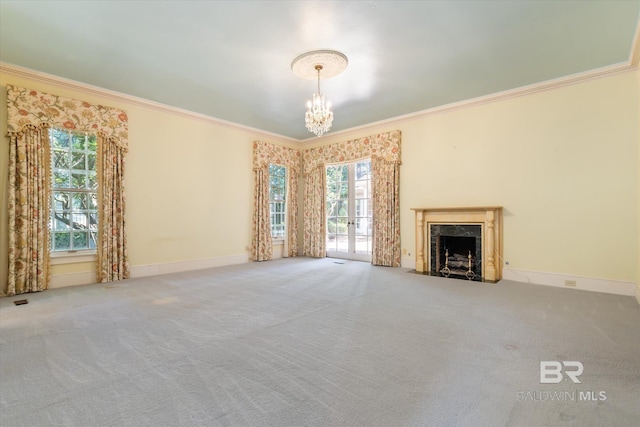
(72, 257)
(277, 241)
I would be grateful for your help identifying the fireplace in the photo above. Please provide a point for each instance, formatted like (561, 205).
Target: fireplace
(456, 250)
(463, 242)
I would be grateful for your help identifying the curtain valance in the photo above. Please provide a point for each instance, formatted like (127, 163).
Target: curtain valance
(265, 153)
(383, 145)
(28, 107)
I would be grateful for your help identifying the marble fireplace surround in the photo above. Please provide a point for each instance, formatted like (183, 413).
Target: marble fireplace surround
(488, 217)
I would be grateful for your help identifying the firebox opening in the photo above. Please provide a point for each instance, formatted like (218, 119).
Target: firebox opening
(456, 251)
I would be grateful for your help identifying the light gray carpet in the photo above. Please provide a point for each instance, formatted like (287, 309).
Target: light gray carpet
(307, 342)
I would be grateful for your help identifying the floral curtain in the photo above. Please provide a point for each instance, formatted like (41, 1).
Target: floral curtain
(112, 260)
(262, 244)
(29, 196)
(292, 213)
(384, 151)
(386, 212)
(30, 111)
(263, 155)
(315, 223)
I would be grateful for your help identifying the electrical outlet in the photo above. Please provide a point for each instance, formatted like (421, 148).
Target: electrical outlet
(570, 283)
(404, 252)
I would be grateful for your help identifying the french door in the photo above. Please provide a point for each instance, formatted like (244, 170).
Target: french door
(349, 220)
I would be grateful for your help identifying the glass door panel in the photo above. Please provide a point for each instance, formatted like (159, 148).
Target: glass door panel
(349, 221)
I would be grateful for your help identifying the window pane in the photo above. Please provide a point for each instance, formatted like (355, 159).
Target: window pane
(78, 142)
(93, 201)
(342, 226)
(80, 220)
(61, 241)
(344, 173)
(93, 221)
(332, 208)
(331, 225)
(80, 201)
(77, 160)
(93, 240)
(60, 225)
(343, 208)
(91, 162)
(362, 189)
(61, 201)
(61, 179)
(59, 138)
(363, 170)
(344, 191)
(80, 240)
(92, 181)
(362, 226)
(92, 144)
(78, 180)
(60, 159)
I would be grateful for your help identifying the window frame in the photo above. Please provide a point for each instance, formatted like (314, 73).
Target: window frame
(282, 202)
(83, 254)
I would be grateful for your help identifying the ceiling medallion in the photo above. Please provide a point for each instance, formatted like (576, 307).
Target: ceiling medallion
(319, 64)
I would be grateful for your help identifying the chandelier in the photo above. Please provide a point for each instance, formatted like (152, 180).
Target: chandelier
(319, 117)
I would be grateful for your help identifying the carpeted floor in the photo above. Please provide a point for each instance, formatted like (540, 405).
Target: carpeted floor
(316, 342)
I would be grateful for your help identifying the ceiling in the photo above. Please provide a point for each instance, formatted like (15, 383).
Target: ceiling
(232, 59)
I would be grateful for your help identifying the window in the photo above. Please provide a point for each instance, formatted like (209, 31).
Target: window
(74, 199)
(277, 200)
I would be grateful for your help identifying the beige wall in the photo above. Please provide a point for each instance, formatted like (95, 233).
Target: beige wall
(638, 193)
(563, 163)
(189, 184)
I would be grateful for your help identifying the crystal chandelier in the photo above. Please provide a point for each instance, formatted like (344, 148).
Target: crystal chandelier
(319, 116)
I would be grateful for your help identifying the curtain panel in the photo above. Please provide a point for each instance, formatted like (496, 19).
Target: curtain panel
(29, 200)
(386, 212)
(315, 223)
(31, 111)
(384, 151)
(262, 243)
(264, 154)
(112, 260)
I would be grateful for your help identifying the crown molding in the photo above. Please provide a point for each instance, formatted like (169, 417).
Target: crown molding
(50, 79)
(631, 65)
(498, 96)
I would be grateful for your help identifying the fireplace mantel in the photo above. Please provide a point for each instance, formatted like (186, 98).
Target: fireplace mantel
(489, 217)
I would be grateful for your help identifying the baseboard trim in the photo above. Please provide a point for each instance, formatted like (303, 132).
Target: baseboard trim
(408, 262)
(180, 266)
(89, 278)
(617, 287)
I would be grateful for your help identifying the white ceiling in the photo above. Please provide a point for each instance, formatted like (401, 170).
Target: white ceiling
(231, 59)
